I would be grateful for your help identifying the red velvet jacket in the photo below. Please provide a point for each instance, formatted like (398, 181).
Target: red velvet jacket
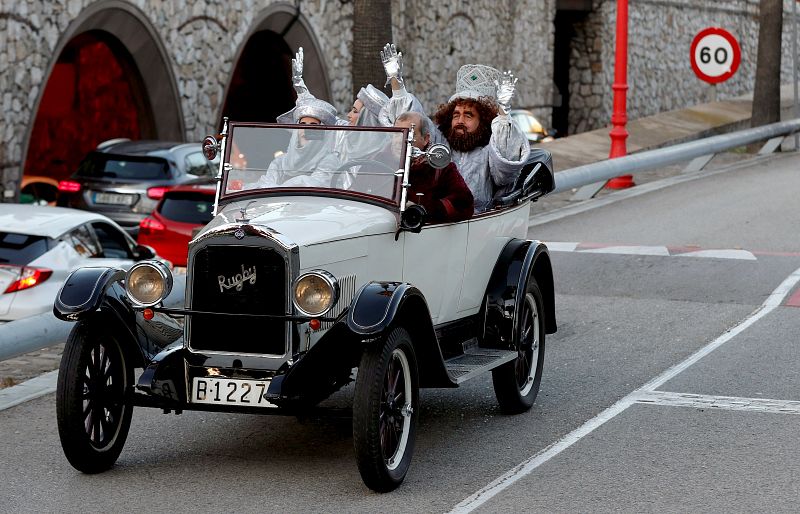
(446, 196)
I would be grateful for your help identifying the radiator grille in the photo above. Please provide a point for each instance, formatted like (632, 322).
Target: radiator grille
(347, 290)
(238, 279)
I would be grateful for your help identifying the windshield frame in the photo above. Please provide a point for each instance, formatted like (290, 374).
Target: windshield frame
(224, 198)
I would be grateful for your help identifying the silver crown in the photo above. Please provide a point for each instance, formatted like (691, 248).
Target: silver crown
(312, 107)
(476, 80)
(373, 98)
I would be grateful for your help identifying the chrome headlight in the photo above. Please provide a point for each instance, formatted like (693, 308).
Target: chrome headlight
(148, 283)
(315, 293)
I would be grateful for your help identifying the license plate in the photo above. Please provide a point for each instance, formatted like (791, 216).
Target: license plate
(114, 198)
(228, 391)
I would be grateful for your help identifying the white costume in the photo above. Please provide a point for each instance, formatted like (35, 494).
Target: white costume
(361, 145)
(307, 163)
(311, 164)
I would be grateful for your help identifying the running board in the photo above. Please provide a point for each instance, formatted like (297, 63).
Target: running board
(476, 361)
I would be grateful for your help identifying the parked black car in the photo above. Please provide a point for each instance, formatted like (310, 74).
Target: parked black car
(125, 179)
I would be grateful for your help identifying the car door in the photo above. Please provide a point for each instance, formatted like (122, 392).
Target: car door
(433, 261)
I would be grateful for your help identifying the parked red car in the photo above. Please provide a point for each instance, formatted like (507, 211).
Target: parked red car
(181, 212)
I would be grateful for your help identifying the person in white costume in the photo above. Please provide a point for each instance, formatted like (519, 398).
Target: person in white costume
(307, 162)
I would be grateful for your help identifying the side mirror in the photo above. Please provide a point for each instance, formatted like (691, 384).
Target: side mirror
(438, 156)
(210, 147)
(413, 218)
(143, 252)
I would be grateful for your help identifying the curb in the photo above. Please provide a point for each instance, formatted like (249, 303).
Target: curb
(28, 390)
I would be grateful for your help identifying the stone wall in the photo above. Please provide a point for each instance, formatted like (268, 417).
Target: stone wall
(660, 77)
(203, 40)
(437, 38)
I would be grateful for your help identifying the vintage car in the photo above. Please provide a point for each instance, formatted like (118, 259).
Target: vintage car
(315, 272)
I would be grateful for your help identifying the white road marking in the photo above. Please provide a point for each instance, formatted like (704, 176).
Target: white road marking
(28, 390)
(660, 251)
(703, 401)
(494, 488)
(558, 246)
(720, 254)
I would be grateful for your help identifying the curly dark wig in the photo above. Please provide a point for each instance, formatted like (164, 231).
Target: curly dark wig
(487, 111)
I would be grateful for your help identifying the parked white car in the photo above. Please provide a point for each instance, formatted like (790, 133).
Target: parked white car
(40, 246)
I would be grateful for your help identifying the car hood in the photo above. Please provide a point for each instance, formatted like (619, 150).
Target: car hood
(309, 220)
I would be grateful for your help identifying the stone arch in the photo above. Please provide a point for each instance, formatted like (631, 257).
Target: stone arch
(138, 50)
(259, 90)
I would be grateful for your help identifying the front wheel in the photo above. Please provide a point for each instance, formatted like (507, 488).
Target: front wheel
(93, 398)
(385, 411)
(516, 383)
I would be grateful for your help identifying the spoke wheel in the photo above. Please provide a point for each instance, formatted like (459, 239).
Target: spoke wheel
(516, 383)
(93, 399)
(385, 411)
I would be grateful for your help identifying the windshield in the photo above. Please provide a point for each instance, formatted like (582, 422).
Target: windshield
(341, 158)
(99, 165)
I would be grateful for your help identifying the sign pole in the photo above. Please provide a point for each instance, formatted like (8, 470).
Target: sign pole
(794, 68)
(620, 117)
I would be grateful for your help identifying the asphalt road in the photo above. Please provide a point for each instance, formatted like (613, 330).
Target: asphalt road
(643, 284)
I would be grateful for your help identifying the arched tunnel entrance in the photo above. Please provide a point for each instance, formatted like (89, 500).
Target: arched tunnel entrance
(94, 93)
(109, 78)
(261, 85)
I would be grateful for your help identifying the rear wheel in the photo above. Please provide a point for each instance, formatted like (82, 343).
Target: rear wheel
(516, 383)
(385, 411)
(93, 399)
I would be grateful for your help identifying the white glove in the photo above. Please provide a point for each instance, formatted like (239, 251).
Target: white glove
(297, 74)
(505, 91)
(392, 63)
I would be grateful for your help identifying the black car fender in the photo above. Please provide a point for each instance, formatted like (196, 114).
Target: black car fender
(97, 295)
(380, 306)
(84, 291)
(519, 260)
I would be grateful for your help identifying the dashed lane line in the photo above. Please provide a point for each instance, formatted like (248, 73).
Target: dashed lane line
(526, 467)
(659, 251)
(704, 401)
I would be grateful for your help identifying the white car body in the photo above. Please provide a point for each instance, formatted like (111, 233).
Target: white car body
(355, 239)
(62, 258)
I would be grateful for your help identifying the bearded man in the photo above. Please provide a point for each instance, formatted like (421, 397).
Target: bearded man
(487, 147)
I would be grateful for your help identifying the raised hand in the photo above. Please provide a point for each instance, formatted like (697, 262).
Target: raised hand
(297, 73)
(505, 90)
(392, 63)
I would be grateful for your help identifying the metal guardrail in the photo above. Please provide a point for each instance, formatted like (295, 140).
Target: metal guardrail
(43, 330)
(652, 159)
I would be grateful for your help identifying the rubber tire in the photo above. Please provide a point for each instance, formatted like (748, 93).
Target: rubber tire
(504, 378)
(366, 412)
(81, 453)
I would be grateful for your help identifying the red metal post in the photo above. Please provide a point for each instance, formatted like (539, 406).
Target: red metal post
(619, 117)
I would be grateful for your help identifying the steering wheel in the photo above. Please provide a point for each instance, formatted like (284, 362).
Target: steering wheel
(338, 181)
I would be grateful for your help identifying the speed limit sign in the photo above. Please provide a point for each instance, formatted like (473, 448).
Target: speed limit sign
(715, 55)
